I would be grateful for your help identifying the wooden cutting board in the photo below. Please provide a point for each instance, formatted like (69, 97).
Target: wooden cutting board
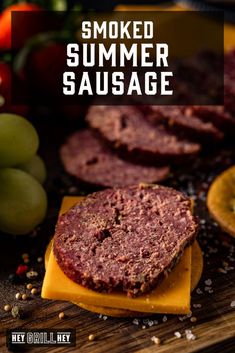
(215, 325)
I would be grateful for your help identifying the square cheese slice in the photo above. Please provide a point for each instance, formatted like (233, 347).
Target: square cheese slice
(172, 296)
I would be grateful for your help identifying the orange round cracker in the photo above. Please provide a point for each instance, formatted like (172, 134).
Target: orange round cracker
(221, 200)
(197, 266)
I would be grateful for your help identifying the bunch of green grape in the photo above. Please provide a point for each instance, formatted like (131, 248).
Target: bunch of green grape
(23, 200)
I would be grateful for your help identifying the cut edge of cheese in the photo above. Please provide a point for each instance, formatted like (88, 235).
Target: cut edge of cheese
(172, 296)
(196, 262)
(197, 268)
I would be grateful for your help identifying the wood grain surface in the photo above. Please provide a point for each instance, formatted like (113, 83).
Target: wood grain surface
(215, 325)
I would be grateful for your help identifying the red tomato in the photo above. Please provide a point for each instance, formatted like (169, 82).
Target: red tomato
(26, 29)
(44, 71)
(45, 66)
(5, 93)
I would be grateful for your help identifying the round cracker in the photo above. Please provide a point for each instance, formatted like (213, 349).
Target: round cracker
(197, 267)
(221, 200)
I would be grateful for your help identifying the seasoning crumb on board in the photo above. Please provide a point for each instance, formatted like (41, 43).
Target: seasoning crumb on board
(34, 291)
(199, 291)
(21, 270)
(177, 334)
(193, 319)
(24, 296)
(232, 304)
(182, 318)
(208, 282)
(32, 274)
(18, 296)
(91, 337)
(7, 307)
(61, 315)
(15, 311)
(189, 335)
(156, 340)
(135, 322)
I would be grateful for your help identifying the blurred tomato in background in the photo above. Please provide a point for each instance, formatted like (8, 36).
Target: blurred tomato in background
(5, 92)
(33, 47)
(44, 66)
(43, 73)
(26, 29)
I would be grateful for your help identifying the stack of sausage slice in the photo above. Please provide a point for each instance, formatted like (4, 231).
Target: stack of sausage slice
(125, 145)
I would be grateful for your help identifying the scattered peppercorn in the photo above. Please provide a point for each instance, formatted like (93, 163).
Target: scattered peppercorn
(31, 274)
(15, 311)
(7, 307)
(18, 296)
(26, 260)
(193, 319)
(39, 259)
(91, 337)
(29, 286)
(25, 255)
(34, 291)
(156, 340)
(24, 296)
(21, 270)
(61, 315)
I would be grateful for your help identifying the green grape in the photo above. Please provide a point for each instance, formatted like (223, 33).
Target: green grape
(23, 202)
(18, 140)
(36, 167)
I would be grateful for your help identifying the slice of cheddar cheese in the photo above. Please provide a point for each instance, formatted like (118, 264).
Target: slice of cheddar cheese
(172, 296)
(197, 267)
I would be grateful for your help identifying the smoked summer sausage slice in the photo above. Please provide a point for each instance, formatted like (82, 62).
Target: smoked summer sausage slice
(185, 125)
(176, 119)
(124, 239)
(90, 161)
(134, 138)
(217, 115)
